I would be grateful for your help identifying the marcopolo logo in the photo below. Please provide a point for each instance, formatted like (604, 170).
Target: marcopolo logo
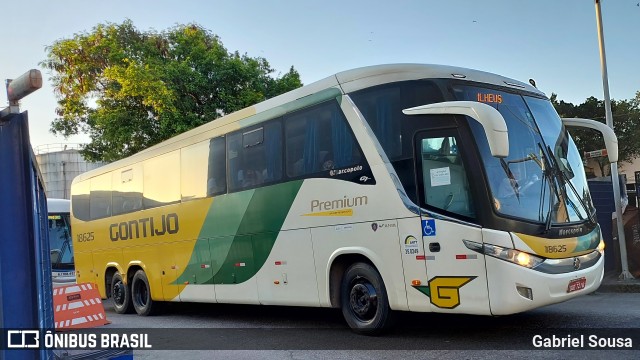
(570, 232)
(346, 170)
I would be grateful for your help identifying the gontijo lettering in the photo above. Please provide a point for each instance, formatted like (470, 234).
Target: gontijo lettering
(134, 229)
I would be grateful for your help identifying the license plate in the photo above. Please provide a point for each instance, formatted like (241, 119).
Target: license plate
(577, 284)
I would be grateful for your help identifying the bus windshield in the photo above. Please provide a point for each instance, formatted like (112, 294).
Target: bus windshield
(542, 179)
(60, 242)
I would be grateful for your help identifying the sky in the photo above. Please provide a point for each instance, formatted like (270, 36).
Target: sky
(554, 42)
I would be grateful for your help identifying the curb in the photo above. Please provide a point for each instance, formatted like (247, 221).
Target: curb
(620, 286)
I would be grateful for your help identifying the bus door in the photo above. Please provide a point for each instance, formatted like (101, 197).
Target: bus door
(456, 275)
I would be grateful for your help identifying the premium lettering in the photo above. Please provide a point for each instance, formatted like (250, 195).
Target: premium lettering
(345, 202)
(134, 229)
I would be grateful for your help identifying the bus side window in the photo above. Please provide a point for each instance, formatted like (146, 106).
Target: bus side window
(445, 180)
(234, 151)
(318, 139)
(255, 156)
(100, 197)
(80, 200)
(126, 186)
(217, 170)
(295, 140)
(197, 165)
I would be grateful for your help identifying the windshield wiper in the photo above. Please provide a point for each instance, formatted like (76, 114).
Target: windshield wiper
(547, 172)
(567, 181)
(512, 179)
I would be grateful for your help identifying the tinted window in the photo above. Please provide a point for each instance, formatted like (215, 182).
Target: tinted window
(217, 168)
(127, 190)
(203, 169)
(100, 197)
(193, 174)
(319, 139)
(162, 180)
(255, 156)
(382, 108)
(80, 200)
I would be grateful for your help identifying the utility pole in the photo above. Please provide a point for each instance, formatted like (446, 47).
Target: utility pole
(614, 166)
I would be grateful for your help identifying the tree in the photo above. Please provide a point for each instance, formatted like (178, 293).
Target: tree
(130, 89)
(626, 122)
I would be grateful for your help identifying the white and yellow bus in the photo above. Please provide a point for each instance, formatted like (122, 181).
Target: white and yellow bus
(394, 187)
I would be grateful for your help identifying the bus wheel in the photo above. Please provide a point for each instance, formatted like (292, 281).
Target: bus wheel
(120, 294)
(141, 295)
(364, 300)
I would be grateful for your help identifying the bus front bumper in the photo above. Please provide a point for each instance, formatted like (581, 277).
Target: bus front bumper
(513, 288)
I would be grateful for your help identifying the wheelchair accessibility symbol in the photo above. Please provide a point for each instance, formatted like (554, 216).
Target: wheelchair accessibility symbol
(429, 227)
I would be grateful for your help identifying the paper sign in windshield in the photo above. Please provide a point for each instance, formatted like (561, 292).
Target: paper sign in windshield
(440, 177)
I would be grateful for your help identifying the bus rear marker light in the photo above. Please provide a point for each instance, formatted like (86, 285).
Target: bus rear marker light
(416, 282)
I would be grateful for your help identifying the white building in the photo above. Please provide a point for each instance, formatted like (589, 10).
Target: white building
(59, 164)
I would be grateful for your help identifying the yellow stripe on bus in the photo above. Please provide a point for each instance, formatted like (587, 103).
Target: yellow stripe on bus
(341, 212)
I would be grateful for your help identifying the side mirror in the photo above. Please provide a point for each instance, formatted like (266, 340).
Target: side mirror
(495, 128)
(610, 138)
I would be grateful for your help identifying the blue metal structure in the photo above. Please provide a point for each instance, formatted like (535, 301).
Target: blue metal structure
(603, 200)
(26, 300)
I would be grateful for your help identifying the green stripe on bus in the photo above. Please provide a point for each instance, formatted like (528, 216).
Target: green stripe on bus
(281, 110)
(239, 233)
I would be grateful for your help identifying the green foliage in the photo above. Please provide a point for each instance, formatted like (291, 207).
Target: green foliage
(130, 89)
(626, 123)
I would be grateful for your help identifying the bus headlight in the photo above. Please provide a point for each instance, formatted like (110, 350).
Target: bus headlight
(523, 259)
(601, 247)
(512, 255)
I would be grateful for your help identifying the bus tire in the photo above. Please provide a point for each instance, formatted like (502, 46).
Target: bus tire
(120, 294)
(141, 295)
(363, 299)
